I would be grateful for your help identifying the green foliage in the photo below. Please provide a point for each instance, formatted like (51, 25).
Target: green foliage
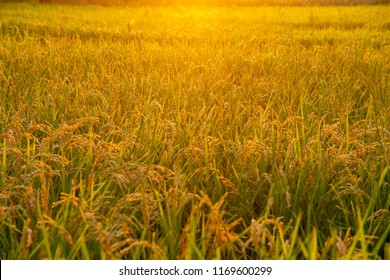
(194, 133)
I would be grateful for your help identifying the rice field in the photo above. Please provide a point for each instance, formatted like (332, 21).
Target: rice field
(194, 132)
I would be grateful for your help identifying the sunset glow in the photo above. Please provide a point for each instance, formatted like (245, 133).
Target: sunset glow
(194, 130)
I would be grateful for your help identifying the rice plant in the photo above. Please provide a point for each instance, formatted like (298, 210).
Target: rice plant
(185, 132)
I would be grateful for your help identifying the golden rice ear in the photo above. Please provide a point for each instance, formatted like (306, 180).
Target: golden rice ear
(25, 240)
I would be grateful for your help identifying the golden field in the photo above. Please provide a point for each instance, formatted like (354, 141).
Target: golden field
(187, 132)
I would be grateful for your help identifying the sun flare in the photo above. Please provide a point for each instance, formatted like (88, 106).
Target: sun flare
(194, 129)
